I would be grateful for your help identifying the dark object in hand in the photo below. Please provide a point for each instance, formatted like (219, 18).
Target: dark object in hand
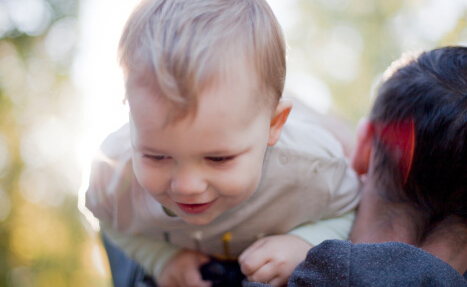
(222, 273)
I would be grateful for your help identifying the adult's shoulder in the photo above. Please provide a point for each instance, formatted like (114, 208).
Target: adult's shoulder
(340, 263)
(402, 265)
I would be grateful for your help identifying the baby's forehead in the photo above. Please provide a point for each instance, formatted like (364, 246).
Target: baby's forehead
(217, 108)
(183, 94)
(182, 57)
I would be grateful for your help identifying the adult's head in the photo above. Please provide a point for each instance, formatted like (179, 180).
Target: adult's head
(413, 150)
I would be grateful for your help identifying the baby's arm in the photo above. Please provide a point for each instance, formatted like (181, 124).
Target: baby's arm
(330, 228)
(169, 265)
(272, 259)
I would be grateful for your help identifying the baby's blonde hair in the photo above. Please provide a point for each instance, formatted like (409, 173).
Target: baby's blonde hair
(178, 47)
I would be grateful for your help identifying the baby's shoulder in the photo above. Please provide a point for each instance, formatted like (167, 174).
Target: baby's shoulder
(111, 180)
(117, 143)
(113, 157)
(305, 137)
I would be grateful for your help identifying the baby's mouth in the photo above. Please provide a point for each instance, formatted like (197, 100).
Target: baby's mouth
(195, 208)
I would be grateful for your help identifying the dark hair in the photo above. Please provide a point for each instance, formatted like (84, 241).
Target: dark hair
(430, 93)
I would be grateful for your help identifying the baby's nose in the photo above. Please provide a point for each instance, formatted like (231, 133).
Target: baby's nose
(188, 182)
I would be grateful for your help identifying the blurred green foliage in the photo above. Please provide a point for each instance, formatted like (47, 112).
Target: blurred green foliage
(43, 241)
(344, 44)
(347, 44)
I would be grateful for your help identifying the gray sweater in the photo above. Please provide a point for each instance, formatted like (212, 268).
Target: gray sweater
(339, 263)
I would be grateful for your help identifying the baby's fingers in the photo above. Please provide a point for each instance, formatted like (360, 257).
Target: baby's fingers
(252, 263)
(253, 258)
(261, 274)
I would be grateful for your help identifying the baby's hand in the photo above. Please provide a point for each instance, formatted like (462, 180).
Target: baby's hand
(183, 270)
(272, 259)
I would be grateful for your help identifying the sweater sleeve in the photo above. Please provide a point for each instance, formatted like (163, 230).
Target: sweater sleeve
(331, 228)
(109, 197)
(153, 255)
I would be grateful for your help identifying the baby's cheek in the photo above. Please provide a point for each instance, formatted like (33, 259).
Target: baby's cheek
(151, 181)
(241, 185)
(153, 186)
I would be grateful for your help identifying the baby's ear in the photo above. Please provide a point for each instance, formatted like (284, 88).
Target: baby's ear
(278, 120)
(360, 160)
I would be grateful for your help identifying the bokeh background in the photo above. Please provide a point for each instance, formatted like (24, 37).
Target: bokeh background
(61, 92)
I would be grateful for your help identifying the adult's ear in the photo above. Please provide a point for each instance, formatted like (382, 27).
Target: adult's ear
(360, 160)
(278, 120)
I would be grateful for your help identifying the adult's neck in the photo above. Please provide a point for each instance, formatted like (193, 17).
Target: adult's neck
(380, 221)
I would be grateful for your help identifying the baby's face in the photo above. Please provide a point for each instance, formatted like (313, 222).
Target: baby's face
(201, 166)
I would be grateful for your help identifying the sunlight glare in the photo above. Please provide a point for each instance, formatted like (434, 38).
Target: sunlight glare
(97, 75)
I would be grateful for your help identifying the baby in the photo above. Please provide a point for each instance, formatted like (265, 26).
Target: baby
(207, 165)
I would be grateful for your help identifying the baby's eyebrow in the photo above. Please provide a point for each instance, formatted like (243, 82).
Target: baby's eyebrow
(227, 151)
(219, 153)
(147, 149)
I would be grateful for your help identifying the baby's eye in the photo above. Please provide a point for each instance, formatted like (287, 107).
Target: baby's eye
(156, 157)
(220, 159)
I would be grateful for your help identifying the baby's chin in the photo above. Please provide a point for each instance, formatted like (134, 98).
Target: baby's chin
(198, 219)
